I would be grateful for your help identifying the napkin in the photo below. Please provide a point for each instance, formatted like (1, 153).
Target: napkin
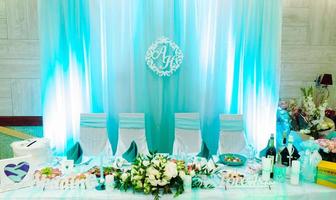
(75, 153)
(131, 152)
(205, 153)
(262, 153)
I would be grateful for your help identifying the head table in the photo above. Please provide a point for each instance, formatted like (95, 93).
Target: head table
(302, 191)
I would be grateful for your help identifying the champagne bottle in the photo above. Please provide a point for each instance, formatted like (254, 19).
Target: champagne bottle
(271, 152)
(289, 153)
(284, 141)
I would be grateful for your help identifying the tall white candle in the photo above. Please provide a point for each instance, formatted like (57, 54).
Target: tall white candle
(266, 168)
(295, 172)
(187, 181)
(109, 180)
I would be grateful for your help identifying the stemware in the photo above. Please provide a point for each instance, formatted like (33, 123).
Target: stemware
(252, 152)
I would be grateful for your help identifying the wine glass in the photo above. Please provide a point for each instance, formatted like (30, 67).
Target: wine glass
(251, 153)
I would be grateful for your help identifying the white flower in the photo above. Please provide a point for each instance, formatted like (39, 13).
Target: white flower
(153, 182)
(315, 122)
(145, 163)
(304, 131)
(198, 166)
(136, 177)
(151, 177)
(170, 170)
(162, 182)
(156, 162)
(119, 162)
(192, 173)
(211, 165)
(201, 161)
(151, 171)
(124, 176)
(133, 171)
(182, 174)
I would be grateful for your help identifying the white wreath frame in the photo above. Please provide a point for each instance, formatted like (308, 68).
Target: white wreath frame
(178, 56)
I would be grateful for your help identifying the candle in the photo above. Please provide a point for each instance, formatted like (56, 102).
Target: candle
(266, 168)
(109, 181)
(82, 184)
(295, 172)
(187, 180)
(91, 181)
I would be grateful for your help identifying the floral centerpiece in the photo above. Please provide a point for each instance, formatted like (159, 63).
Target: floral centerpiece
(157, 173)
(309, 118)
(313, 114)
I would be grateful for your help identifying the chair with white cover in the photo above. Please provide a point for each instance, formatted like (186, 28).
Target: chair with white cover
(231, 136)
(93, 136)
(131, 128)
(188, 136)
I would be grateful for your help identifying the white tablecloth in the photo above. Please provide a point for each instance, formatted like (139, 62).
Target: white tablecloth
(304, 191)
(278, 191)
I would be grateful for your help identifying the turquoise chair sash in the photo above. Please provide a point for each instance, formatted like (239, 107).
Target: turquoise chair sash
(131, 122)
(187, 123)
(231, 125)
(94, 121)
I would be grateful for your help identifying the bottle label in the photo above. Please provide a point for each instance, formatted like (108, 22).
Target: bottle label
(272, 161)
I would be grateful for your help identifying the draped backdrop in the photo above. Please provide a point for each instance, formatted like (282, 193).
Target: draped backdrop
(93, 60)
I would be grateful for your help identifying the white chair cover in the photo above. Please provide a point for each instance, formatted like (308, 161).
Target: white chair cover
(93, 134)
(231, 136)
(187, 133)
(131, 127)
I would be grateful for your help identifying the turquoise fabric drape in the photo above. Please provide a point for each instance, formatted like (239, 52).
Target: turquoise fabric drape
(93, 60)
(65, 40)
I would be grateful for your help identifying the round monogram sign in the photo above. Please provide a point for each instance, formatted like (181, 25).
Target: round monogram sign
(164, 57)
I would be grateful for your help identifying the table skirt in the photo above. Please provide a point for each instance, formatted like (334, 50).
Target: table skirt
(278, 191)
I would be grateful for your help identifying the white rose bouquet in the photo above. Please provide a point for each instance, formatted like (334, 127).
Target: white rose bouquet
(158, 173)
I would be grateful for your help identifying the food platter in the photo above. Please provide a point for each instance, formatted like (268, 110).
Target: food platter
(232, 159)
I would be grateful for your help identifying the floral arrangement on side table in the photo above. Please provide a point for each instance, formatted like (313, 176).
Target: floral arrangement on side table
(314, 113)
(309, 118)
(158, 173)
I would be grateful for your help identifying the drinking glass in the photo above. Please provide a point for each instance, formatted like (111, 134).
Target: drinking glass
(251, 153)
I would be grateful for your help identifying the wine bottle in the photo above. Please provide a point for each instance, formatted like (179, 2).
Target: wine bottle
(289, 153)
(271, 153)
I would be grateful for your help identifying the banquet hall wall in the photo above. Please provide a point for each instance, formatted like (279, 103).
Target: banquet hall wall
(308, 48)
